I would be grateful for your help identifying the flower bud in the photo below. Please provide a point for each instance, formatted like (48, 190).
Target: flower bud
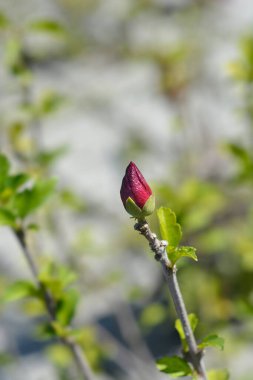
(136, 194)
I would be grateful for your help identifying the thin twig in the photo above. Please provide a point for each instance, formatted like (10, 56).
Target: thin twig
(80, 359)
(132, 336)
(159, 248)
(134, 366)
(131, 332)
(75, 349)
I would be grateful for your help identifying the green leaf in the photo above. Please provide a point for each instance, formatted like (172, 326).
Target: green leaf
(7, 218)
(66, 307)
(66, 275)
(212, 341)
(19, 289)
(56, 277)
(45, 331)
(176, 253)
(31, 199)
(58, 329)
(170, 229)
(4, 170)
(53, 284)
(175, 366)
(17, 180)
(220, 374)
(48, 26)
(193, 320)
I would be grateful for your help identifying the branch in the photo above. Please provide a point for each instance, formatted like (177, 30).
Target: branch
(134, 366)
(159, 249)
(132, 336)
(75, 349)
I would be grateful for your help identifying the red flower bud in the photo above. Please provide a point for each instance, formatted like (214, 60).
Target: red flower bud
(136, 194)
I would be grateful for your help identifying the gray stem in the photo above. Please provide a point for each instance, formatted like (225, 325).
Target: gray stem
(80, 360)
(128, 360)
(195, 354)
(76, 350)
(159, 249)
(131, 334)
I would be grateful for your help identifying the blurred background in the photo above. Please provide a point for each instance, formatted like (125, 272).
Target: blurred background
(87, 86)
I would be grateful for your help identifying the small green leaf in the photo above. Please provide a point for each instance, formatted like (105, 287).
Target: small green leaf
(4, 170)
(175, 366)
(7, 218)
(66, 275)
(193, 320)
(57, 329)
(212, 341)
(48, 26)
(220, 374)
(19, 289)
(170, 229)
(66, 307)
(54, 285)
(56, 277)
(176, 253)
(17, 180)
(45, 331)
(31, 199)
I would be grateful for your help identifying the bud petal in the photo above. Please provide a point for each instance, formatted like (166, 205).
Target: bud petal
(136, 194)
